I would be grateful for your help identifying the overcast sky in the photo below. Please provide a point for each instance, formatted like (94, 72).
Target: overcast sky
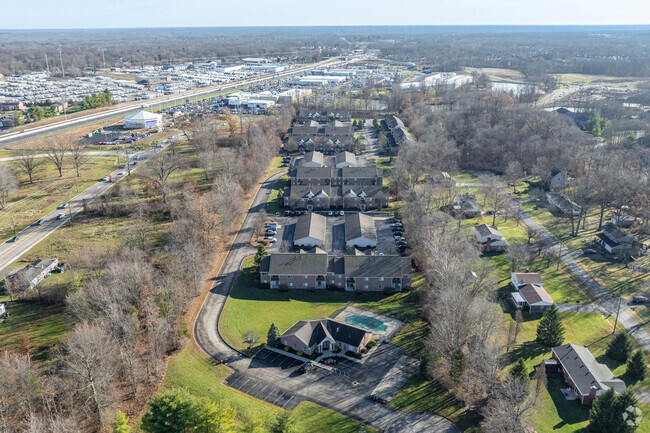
(47, 14)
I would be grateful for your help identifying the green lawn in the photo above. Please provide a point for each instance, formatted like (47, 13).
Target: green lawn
(276, 198)
(603, 80)
(252, 308)
(43, 324)
(193, 370)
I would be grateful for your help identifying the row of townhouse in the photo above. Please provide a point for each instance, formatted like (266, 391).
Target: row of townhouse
(319, 271)
(332, 176)
(303, 116)
(321, 144)
(313, 129)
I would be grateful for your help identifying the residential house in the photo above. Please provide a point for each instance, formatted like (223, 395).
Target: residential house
(395, 132)
(345, 159)
(466, 206)
(29, 276)
(3, 309)
(360, 231)
(563, 203)
(586, 377)
(617, 241)
(556, 179)
(317, 271)
(321, 335)
(303, 116)
(310, 230)
(623, 220)
(11, 106)
(490, 239)
(313, 159)
(530, 292)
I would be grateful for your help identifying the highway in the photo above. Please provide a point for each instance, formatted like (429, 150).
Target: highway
(37, 131)
(12, 250)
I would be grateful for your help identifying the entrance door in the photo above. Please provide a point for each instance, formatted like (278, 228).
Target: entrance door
(326, 345)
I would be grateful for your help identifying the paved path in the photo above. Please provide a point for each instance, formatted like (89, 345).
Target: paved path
(345, 399)
(607, 303)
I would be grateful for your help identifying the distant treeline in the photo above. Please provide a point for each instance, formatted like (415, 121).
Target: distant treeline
(616, 51)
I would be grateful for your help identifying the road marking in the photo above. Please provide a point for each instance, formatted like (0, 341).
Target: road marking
(284, 405)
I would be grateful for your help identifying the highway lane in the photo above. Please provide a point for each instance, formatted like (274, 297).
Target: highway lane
(10, 251)
(31, 133)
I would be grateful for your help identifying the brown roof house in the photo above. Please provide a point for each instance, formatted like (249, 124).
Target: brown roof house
(320, 335)
(490, 239)
(310, 230)
(360, 231)
(466, 206)
(530, 292)
(586, 377)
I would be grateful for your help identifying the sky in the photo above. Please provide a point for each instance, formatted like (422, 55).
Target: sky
(69, 14)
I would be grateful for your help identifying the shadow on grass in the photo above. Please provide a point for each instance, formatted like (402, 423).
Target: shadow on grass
(570, 412)
(528, 350)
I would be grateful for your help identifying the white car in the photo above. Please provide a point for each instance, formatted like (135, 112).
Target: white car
(270, 239)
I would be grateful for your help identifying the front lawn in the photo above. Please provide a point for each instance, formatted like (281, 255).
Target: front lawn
(275, 203)
(252, 308)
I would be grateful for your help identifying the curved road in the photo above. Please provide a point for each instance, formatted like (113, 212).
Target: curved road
(341, 398)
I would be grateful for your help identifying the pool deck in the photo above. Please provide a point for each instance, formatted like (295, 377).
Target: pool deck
(392, 325)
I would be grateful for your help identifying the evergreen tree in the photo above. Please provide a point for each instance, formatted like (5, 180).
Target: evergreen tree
(550, 331)
(611, 413)
(19, 119)
(636, 366)
(273, 336)
(283, 423)
(519, 371)
(120, 425)
(620, 347)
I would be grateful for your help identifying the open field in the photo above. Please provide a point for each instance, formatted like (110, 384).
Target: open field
(193, 370)
(502, 74)
(599, 80)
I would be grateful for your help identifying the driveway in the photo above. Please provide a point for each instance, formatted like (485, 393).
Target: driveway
(266, 379)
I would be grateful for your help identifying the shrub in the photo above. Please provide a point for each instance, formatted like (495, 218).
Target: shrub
(286, 348)
(358, 355)
(371, 344)
(299, 353)
(350, 353)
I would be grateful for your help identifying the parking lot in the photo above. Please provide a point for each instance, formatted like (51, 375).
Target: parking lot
(263, 390)
(334, 236)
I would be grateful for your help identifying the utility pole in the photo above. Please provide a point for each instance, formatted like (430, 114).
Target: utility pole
(618, 310)
(47, 65)
(61, 58)
(104, 58)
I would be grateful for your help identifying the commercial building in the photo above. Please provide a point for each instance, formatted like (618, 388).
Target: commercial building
(322, 335)
(142, 119)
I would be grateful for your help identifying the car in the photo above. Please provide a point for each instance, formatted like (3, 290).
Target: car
(271, 239)
(589, 252)
(15, 238)
(342, 213)
(284, 165)
(330, 213)
(287, 213)
(398, 237)
(397, 229)
(398, 232)
(401, 244)
(489, 212)
(63, 206)
(639, 299)
(397, 225)
(102, 142)
(501, 212)
(38, 223)
(292, 213)
(120, 173)
(60, 216)
(271, 233)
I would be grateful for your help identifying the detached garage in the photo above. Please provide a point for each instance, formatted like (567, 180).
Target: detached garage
(310, 230)
(360, 231)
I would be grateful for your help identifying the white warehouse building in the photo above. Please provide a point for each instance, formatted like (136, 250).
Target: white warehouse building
(142, 119)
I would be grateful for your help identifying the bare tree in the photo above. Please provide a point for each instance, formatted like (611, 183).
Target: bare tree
(88, 357)
(159, 169)
(540, 382)
(518, 256)
(55, 149)
(28, 163)
(8, 184)
(505, 410)
(79, 157)
(20, 387)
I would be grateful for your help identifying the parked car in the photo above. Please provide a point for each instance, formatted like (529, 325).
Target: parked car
(63, 206)
(341, 213)
(271, 239)
(60, 216)
(330, 213)
(398, 238)
(396, 225)
(639, 299)
(589, 252)
(287, 213)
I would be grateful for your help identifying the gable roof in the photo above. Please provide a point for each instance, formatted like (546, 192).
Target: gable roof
(312, 332)
(535, 294)
(363, 172)
(297, 264)
(485, 230)
(376, 266)
(528, 278)
(310, 225)
(584, 370)
(314, 172)
(342, 157)
(315, 157)
(359, 225)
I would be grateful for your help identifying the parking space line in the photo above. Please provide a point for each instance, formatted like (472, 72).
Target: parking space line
(261, 392)
(280, 395)
(244, 384)
(287, 359)
(272, 360)
(266, 355)
(284, 405)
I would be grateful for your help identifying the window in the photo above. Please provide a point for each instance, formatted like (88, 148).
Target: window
(290, 284)
(381, 286)
(381, 278)
(306, 277)
(306, 284)
(365, 287)
(365, 279)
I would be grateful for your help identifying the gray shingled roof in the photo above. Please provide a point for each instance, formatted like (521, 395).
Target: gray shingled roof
(376, 266)
(345, 157)
(310, 225)
(488, 230)
(360, 172)
(314, 156)
(297, 264)
(312, 332)
(585, 371)
(359, 225)
(315, 172)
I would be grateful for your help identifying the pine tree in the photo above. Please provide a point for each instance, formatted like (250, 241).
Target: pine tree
(550, 331)
(120, 425)
(519, 371)
(620, 347)
(602, 416)
(636, 366)
(273, 336)
(283, 423)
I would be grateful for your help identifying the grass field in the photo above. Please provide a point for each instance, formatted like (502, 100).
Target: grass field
(48, 191)
(252, 308)
(193, 370)
(502, 74)
(601, 80)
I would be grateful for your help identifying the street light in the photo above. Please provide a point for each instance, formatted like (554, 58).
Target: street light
(618, 310)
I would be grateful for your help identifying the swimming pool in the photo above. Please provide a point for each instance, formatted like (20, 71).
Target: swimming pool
(366, 322)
